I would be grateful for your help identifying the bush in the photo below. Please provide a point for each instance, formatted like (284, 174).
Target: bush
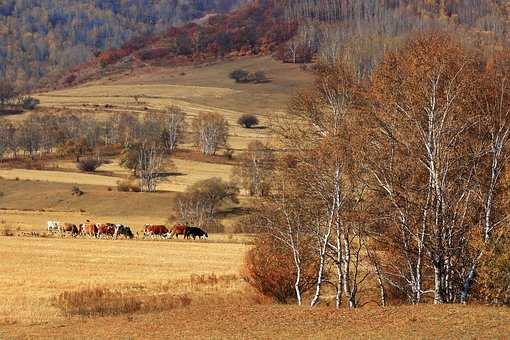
(239, 75)
(269, 268)
(105, 302)
(6, 231)
(243, 76)
(29, 103)
(123, 186)
(248, 120)
(127, 186)
(260, 77)
(75, 190)
(88, 165)
(98, 301)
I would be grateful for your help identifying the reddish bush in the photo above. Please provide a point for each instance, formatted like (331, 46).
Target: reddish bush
(269, 268)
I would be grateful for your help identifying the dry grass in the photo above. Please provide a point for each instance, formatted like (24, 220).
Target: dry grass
(234, 321)
(109, 277)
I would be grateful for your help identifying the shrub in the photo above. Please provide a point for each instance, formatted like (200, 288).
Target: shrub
(127, 186)
(239, 75)
(200, 203)
(123, 186)
(248, 120)
(97, 301)
(88, 165)
(105, 302)
(75, 190)
(260, 77)
(269, 268)
(29, 103)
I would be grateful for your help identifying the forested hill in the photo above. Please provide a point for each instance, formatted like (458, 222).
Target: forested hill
(40, 37)
(305, 30)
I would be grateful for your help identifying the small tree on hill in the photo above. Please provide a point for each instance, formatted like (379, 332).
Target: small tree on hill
(7, 91)
(210, 132)
(254, 169)
(174, 124)
(199, 204)
(248, 120)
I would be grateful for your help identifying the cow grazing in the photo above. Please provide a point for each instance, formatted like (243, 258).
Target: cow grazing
(123, 230)
(195, 232)
(151, 230)
(88, 229)
(53, 226)
(63, 228)
(178, 229)
(69, 228)
(105, 229)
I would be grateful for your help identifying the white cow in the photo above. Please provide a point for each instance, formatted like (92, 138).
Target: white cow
(53, 226)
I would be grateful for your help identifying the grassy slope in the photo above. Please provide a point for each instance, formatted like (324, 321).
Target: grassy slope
(286, 322)
(195, 89)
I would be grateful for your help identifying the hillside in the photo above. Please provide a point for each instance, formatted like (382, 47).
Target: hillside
(300, 31)
(195, 89)
(41, 37)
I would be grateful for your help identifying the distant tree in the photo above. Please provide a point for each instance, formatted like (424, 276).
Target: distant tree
(7, 91)
(145, 159)
(77, 148)
(210, 132)
(254, 171)
(199, 204)
(248, 120)
(174, 124)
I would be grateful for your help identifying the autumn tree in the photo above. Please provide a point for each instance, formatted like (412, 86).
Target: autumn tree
(255, 169)
(210, 132)
(436, 159)
(199, 204)
(174, 125)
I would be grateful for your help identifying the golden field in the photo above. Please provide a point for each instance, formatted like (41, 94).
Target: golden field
(37, 269)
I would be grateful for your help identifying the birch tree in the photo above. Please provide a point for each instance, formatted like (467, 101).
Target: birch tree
(210, 131)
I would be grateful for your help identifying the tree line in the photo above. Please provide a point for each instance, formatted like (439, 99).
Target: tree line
(143, 142)
(395, 184)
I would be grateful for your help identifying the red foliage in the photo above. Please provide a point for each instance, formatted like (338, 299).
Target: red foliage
(258, 27)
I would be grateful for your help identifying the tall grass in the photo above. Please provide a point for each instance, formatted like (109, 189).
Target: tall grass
(101, 301)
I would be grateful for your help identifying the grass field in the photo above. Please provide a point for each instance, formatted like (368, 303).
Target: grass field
(41, 268)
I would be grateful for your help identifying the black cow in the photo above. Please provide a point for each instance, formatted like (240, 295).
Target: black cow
(195, 232)
(123, 230)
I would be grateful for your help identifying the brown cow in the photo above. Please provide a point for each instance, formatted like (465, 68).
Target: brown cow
(179, 229)
(88, 229)
(105, 229)
(155, 230)
(64, 228)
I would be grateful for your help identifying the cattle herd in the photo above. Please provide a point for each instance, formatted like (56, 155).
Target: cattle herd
(107, 230)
